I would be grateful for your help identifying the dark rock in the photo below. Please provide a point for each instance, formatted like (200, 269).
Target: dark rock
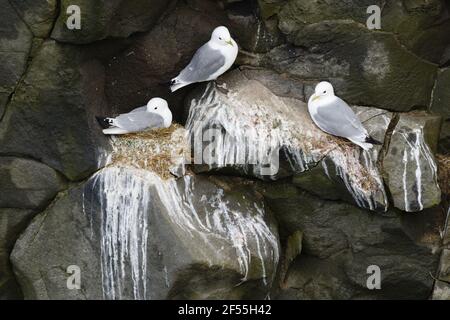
(39, 15)
(51, 117)
(340, 241)
(253, 33)
(12, 223)
(442, 285)
(420, 26)
(15, 46)
(368, 69)
(108, 18)
(27, 184)
(441, 106)
(144, 69)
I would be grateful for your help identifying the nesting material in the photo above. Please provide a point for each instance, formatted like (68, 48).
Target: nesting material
(159, 151)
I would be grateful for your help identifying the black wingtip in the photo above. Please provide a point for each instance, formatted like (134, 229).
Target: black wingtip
(373, 141)
(167, 83)
(103, 122)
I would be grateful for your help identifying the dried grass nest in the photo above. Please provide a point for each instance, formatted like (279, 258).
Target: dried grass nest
(156, 150)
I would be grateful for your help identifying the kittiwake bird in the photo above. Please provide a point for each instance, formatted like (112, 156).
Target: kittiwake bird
(212, 60)
(332, 115)
(156, 114)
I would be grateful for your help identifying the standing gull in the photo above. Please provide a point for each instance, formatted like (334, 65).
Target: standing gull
(156, 114)
(332, 115)
(212, 60)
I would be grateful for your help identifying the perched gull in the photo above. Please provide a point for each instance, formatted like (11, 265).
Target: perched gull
(156, 114)
(210, 61)
(332, 115)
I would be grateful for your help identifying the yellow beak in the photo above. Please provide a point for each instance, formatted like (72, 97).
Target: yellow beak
(230, 42)
(315, 98)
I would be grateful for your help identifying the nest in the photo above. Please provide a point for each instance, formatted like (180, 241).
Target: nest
(157, 150)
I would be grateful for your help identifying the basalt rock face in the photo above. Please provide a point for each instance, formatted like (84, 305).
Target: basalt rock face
(15, 45)
(249, 199)
(102, 19)
(137, 236)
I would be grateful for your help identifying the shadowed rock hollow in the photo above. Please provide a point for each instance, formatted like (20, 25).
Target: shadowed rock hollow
(282, 210)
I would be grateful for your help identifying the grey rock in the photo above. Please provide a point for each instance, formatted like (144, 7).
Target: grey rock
(441, 291)
(39, 15)
(27, 184)
(441, 106)
(420, 26)
(102, 19)
(15, 45)
(135, 236)
(340, 241)
(280, 84)
(253, 34)
(409, 165)
(12, 223)
(368, 69)
(52, 114)
(442, 285)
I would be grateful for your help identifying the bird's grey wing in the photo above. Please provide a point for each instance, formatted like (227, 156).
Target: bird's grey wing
(205, 62)
(140, 109)
(139, 121)
(338, 119)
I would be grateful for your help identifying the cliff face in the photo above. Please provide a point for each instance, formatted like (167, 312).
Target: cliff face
(143, 219)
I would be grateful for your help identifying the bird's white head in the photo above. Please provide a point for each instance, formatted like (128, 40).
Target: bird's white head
(323, 89)
(221, 36)
(160, 107)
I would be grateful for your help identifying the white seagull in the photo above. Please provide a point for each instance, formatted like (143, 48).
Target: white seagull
(212, 60)
(156, 114)
(332, 115)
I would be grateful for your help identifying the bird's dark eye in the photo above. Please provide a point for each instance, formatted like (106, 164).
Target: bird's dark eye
(325, 91)
(156, 108)
(220, 38)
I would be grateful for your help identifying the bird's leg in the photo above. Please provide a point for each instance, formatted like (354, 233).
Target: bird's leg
(221, 86)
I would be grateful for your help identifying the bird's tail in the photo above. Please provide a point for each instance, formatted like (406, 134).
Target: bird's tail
(176, 84)
(371, 140)
(105, 123)
(365, 145)
(115, 130)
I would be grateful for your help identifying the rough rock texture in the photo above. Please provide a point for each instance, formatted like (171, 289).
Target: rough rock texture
(148, 227)
(108, 18)
(137, 237)
(12, 223)
(365, 68)
(441, 106)
(37, 14)
(27, 184)
(15, 45)
(409, 165)
(340, 241)
(442, 284)
(51, 116)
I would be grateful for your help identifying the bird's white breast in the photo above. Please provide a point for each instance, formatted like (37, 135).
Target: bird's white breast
(230, 53)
